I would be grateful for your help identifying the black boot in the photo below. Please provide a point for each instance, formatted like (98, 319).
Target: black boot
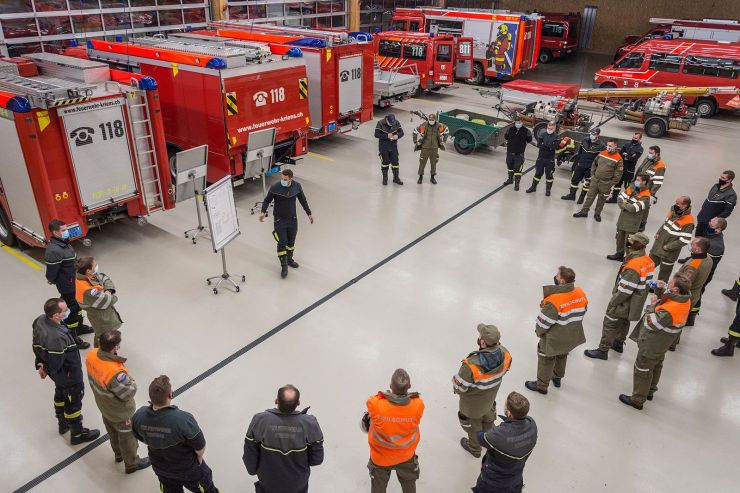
(421, 178)
(733, 293)
(641, 228)
(581, 213)
(618, 346)
(62, 423)
(729, 347)
(616, 256)
(581, 197)
(684, 260)
(510, 179)
(284, 266)
(570, 195)
(291, 263)
(84, 329)
(613, 198)
(725, 339)
(81, 344)
(396, 179)
(385, 175)
(692, 319)
(548, 188)
(532, 188)
(596, 353)
(433, 180)
(517, 179)
(82, 435)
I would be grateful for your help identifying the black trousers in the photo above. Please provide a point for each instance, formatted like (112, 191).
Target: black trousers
(258, 488)
(199, 480)
(546, 167)
(68, 402)
(515, 163)
(389, 158)
(627, 175)
(580, 173)
(74, 321)
(696, 308)
(285, 232)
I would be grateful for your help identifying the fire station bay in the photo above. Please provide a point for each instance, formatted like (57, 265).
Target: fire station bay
(369, 246)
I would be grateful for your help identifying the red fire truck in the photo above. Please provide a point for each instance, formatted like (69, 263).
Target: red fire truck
(340, 70)
(559, 35)
(218, 96)
(81, 143)
(438, 60)
(689, 63)
(504, 45)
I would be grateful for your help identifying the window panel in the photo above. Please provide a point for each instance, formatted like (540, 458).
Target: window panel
(113, 4)
(631, 62)
(308, 8)
(83, 4)
(144, 19)
(50, 5)
(52, 26)
(118, 21)
(553, 29)
(170, 17)
(15, 6)
(444, 53)
(665, 62)
(192, 1)
(194, 15)
(415, 51)
(339, 21)
(19, 28)
(168, 2)
(87, 23)
(275, 10)
(142, 3)
(712, 67)
(389, 48)
(23, 48)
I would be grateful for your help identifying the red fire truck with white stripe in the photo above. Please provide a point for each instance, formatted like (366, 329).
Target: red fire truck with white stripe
(81, 143)
(218, 96)
(659, 63)
(504, 44)
(438, 60)
(340, 70)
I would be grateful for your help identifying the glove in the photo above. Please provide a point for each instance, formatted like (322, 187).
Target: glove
(653, 200)
(365, 422)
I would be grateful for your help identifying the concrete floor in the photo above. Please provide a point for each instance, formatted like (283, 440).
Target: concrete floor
(418, 311)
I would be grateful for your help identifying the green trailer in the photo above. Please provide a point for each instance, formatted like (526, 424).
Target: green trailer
(471, 130)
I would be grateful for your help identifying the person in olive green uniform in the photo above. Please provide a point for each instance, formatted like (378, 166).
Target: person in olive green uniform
(654, 167)
(658, 328)
(633, 201)
(606, 171)
(430, 136)
(673, 235)
(97, 296)
(559, 326)
(696, 271)
(477, 384)
(628, 297)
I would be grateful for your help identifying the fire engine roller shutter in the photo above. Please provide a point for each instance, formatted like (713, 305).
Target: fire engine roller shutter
(315, 103)
(97, 138)
(350, 84)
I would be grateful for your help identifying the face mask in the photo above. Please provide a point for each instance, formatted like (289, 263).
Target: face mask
(65, 234)
(284, 183)
(66, 313)
(518, 125)
(550, 132)
(96, 269)
(635, 141)
(651, 156)
(432, 121)
(676, 209)
(593, 138)
(722, 182)
(637, 185)
(555, 280)
(611, 150)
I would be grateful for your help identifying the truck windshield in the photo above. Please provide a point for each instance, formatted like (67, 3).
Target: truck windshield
(399, 25)
(415, 51)
(553, 29)
(444, 53)
(631, 61)
(389, 48)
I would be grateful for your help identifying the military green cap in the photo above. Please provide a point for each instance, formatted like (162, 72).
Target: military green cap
(489, 333)
(640, 238)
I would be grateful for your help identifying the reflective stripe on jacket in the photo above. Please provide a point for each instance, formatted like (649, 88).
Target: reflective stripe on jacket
(673, 235)
(113, 388)
(660, 325)
(655, 170)
(394, 427)
(560, 321)
(633, 206)
(630, 291)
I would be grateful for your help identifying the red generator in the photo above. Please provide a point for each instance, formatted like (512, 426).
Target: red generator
(81, 143)
(340, 70)
(439, 59)
(218, 96)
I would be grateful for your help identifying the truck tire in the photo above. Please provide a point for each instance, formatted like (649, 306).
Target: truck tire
(478, 74)
(6, 229)
(464, 141)
(608, 85)
(705, 107)
(545, 56)
(539, 129)
(656, 127)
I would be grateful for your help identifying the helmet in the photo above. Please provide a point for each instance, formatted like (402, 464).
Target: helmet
(503, 29)
(565, 142)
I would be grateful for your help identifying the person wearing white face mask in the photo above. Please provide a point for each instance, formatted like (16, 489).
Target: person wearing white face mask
(547, 143)
(654, 167)
(517, 137)
(96, 294)
(58, 358)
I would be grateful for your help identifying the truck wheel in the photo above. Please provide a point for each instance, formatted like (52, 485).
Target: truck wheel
(545, 56)
(478, 74)
(706, 108)
(655, 127)
(608, 85)
(6, 229)
(464, 142)
(539, 130)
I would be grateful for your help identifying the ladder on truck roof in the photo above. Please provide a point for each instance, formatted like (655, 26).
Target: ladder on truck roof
(255, 50)
(140, 124)
(234, 57)
(332, 38)
(46, 93)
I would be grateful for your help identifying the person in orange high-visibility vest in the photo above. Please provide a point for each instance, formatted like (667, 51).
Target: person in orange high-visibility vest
(477, 383)
(656, 332)
(559, 326)
(633, 201)
(96, 294)
(392, 426)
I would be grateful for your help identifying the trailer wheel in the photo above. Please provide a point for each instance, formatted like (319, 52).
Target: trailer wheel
(705, 107)
(656, 127)
(545, 56)
(478, 74)
(608, 85)
(6, 229)
(539, 129)
(464, 141)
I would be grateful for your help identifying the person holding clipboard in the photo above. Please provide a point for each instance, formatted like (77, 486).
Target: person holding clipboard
(285, 194)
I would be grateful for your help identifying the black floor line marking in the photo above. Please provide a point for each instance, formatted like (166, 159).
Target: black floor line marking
(104, 438)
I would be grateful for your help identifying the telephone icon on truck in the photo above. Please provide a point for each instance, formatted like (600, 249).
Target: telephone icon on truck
(260, 98)
(82, 136)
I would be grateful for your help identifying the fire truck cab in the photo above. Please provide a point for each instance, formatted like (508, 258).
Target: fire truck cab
(439, 59)
(690, 63)
(504, 44)
(559, 35)
(81, 143)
